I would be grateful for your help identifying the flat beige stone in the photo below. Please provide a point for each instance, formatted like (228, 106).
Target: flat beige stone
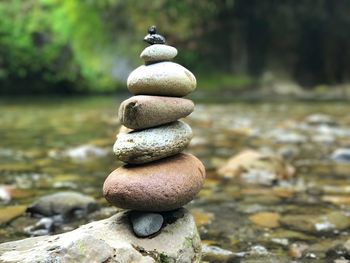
(140, 112)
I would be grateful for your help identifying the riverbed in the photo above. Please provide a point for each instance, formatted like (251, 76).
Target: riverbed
(65, 144)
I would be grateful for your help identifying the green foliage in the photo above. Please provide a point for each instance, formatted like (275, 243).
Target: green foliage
(225, 81)
(53, 43)
(91, 46)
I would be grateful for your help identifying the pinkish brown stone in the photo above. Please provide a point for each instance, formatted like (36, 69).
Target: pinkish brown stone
(140, 112)
(158, 186)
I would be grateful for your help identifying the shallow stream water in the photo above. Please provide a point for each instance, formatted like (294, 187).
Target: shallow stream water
(42, 151)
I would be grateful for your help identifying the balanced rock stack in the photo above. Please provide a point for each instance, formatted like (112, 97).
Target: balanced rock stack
(157, 177)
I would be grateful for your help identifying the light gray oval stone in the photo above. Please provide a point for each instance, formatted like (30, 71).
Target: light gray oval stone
(146, 224)
(163, 78)
(152, 144)
(140, 112)
(158, 52)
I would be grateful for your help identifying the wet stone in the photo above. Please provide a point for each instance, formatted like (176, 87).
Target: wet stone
(255, 167)
(146, 224)
(296, 250)
(43, 227)
(341, 155)
(216, 254)
(320, 119)
(265, 219)
(327, 223)
(67, 204)
(7, 214)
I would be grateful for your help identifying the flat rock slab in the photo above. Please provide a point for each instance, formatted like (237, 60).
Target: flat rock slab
(158, 186)
(152, 144)
(110, 240)
(163, 79)
(140, 112)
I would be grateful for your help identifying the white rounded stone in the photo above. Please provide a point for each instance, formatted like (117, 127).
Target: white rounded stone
(158, 52)
(163, 78)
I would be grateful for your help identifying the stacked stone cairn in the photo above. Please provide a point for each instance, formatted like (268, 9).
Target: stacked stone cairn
(157, 177)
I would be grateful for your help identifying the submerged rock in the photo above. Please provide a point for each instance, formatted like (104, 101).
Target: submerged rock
(43, 227)
(81, 153)
(320, 119)
(327, 223)
(9, 213)
(109, 240)
(296, 250)
(66, 204)
(341, 155)
(217, 254)
(255, 167)
(265, 219)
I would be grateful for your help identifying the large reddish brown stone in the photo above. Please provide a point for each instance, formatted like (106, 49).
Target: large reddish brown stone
(158, 186)
(140, 112)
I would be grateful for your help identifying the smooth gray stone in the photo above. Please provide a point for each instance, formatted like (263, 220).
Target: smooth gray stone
(158, 52)
(162, 79)
(152, 144)
(146, 224)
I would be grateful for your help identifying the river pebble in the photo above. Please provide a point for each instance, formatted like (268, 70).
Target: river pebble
(152, 144)
(66, 204)
(146, 224)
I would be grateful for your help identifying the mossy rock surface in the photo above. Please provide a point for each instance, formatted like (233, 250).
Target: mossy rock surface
(110, 240)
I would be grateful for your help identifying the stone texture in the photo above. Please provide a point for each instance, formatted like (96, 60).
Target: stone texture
(152, 144)
(158, 186)
(158, 52)
(140, 112)
(63, 203)
(109, 240)
(163, 78)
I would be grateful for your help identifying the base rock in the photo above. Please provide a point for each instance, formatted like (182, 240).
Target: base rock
(110, 240)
